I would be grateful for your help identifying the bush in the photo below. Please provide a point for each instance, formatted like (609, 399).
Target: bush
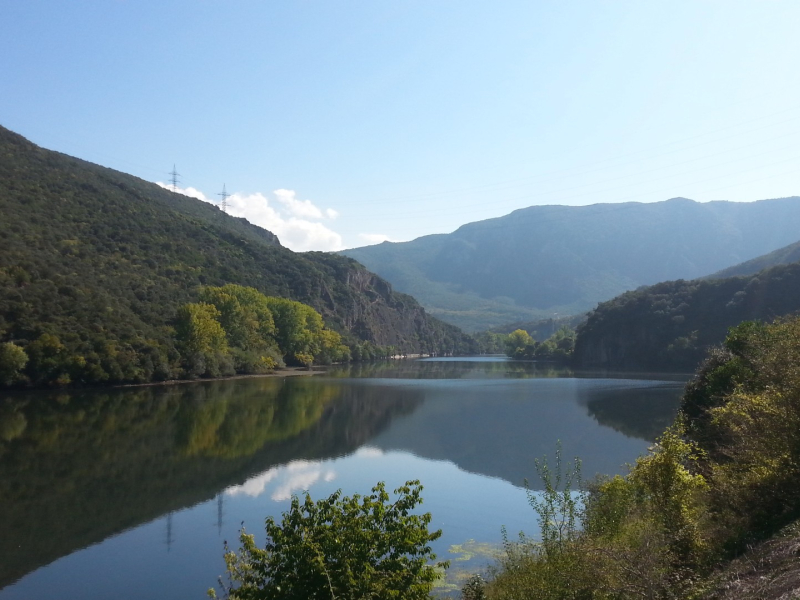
(339, 547)
(12, 360)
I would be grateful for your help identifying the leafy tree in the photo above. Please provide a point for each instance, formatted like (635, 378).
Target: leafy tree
(244, 315)
(202, 340)
(12, 360)
(339, 547)
(331, 348)
(517, 341)
(48, 360)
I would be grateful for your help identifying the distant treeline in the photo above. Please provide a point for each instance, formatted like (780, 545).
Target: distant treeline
(520, 345)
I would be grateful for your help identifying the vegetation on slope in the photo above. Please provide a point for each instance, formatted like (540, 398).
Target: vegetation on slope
(99, 262)
(564, 259)
(671, 325)
(724, 477)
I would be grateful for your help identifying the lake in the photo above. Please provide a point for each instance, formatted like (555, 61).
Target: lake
(130, 493)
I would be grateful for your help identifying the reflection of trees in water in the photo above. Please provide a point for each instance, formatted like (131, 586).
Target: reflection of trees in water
(229, 424)
(445, 369)
(637, 412)
(77, 468)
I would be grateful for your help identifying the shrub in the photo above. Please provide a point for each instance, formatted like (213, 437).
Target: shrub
(339, 547)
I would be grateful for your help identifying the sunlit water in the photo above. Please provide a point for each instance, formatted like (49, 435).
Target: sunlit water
(131, 493)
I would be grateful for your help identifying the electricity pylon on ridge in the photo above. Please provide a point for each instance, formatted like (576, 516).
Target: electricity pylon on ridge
(174, 178)
(225, 195)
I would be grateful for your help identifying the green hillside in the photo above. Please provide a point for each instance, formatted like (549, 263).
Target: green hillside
(782, 256)
(102, 260)
(671, 325)
(543, 260)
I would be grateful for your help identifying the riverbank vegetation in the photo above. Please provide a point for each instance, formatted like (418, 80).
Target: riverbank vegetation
(721, 479)
(232, 329)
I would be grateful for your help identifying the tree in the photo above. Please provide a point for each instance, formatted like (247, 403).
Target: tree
(12, 360)
(244, 315)
(517, 341)
(202, 341)
(339, 547)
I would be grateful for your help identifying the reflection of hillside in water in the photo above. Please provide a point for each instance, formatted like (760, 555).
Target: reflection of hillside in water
(634, 413)
(499, 427)
(450, 369)
(76, 468)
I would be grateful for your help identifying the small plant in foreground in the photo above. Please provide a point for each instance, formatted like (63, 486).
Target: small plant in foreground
(339, 547)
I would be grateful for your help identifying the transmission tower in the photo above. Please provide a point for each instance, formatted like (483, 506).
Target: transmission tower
(225, 195)
(219, 513)
(174, 178)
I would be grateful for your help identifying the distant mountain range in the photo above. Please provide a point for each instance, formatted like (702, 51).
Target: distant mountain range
(547, 261)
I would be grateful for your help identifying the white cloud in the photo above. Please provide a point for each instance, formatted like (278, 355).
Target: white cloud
(297, 208)
(296, 476)
(189, 191)
(369, 452)
(255, 486)
(374, 238)
(292, 220)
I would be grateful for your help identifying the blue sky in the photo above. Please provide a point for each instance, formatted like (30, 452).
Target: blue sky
(340, 123)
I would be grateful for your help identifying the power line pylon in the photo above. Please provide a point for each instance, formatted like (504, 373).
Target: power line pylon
(225, 195)
(174, 178)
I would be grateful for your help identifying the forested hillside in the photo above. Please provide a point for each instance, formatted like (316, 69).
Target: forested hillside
(671, 325)
(94, 265)
(543, 260)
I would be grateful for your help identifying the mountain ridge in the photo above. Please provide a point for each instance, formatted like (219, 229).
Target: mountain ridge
(542, 261)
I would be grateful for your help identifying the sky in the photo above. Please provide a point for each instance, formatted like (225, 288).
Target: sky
(337, 124)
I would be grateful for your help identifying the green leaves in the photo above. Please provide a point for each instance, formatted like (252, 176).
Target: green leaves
(339, 547)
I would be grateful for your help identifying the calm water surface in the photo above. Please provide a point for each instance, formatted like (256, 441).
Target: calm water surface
(130, 493)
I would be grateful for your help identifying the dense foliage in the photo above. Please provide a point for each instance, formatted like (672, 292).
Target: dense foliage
(724, 476)
(95, 264)
(542, 260)
(559, 346)
(672, 325)
(339, 547)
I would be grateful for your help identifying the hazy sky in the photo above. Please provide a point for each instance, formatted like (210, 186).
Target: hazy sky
(339, 123)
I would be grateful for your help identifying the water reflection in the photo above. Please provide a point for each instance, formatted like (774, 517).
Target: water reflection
(498, 427)
(76, 469)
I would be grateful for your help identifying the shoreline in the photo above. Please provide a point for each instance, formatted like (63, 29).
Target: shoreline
(285, 372)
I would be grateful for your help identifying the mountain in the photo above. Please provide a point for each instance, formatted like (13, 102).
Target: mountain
(545, 260)
(671, 325)
(781, 256)
(102, 260)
